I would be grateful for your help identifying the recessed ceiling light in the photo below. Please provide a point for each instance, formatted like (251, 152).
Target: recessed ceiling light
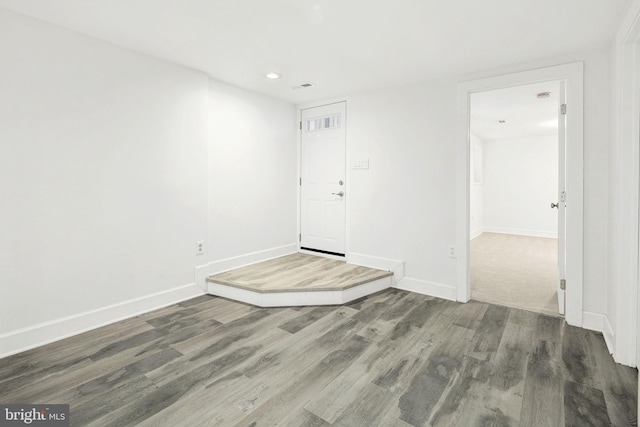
(543, 95)
(273, 76)
(502, 121)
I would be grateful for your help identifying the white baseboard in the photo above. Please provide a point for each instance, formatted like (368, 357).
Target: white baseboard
(599, 323)
(55, 330)
(222, 265)
(593, 321)
(396, 266)
(476, 233)
(201, 272)
(520, 232)
(428, 288)
(609, 336)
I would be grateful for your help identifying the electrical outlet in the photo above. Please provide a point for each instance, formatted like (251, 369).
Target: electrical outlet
(200, 247)
(452, 252)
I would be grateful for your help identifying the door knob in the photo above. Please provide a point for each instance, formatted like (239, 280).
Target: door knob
(554, 205)
(340, 193)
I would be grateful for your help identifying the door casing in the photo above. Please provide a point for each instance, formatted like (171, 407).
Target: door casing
(572, 74)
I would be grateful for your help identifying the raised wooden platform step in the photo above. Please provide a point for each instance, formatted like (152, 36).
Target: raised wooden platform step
(299, 279)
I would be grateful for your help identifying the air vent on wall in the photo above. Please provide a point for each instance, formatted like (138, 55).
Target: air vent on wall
(304, 86)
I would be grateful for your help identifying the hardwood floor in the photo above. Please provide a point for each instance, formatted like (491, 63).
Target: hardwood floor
(392, 359)
(299, 272)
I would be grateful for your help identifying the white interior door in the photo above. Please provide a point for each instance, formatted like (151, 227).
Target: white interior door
(562, 198)
(323, 190)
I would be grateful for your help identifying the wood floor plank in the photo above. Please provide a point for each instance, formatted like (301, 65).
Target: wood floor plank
(578, 358)
(428, 385)
(275, 367)
(469, 315)
(376, 365)
(393, 306)
(584, 406)
(305, 319)
(489, 393)
(305, 387)
(304, 418)
(544, 384)
(391, 359)
(230, 339)
(297, 272)
(398, 363)
(470, 400)
(619, 385)
(56, 355)
(489, 332)
(367, 409)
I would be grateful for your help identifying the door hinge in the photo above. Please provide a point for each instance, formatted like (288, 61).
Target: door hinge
(300, 237)
(300, 180)
(563, 109)
(301, 125)
(563, 284)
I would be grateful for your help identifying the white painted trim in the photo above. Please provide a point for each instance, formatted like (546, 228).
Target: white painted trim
(298, 298)
(600, 323)
(428, 288)
(201, 272)
(624, 192)
(607, 333)
(321, 103)
(573, 75)
(593, 321)
(55, 330)
(394, 265)
(520, 232)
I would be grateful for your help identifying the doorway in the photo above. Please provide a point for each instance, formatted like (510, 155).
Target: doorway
(516, 169)
(322, 179)
(573, 75)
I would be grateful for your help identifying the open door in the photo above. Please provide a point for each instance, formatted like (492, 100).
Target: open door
(562, 199)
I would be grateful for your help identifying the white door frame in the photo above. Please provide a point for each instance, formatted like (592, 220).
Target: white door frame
(305, 106)
(624, 193)
(573, 75)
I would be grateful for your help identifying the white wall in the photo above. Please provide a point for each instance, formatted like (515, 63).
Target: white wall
(252, 173)
(476, 189)
(112, 165)
(102, 173)
(403, 207)
(520, 182)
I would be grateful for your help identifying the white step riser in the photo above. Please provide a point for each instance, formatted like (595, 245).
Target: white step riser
(299, 298)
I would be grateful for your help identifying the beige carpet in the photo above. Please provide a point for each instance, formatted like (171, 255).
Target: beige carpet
(516, 271)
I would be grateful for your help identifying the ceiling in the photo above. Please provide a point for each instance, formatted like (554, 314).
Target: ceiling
(523, 112)
(342, 46)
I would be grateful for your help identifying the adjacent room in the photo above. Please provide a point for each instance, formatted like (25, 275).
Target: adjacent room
(319, 212)
(514, 193)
